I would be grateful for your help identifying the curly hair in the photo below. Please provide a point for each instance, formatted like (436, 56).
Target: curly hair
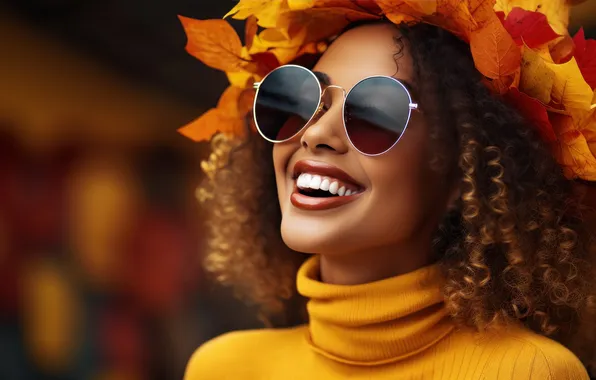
(516, 247)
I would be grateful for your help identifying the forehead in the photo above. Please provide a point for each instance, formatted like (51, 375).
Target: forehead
(365, 51)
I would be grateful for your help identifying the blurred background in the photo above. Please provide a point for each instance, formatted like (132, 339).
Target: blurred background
(100, 233)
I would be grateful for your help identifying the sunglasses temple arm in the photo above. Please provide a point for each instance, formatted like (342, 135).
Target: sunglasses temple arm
(413, 106)
(256, 85)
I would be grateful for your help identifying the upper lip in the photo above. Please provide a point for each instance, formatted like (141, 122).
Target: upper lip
(323, 169)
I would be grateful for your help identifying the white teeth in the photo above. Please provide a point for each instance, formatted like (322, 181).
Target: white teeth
(334, 187)
(315, 182)
(304, 180)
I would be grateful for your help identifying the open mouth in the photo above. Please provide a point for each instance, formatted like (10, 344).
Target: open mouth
(317, 186)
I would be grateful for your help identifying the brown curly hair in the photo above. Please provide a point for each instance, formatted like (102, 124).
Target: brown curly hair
(515, 248)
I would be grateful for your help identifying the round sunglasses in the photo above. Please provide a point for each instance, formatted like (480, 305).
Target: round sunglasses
(376, 111)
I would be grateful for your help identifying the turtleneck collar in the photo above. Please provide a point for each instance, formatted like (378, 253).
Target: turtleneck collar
(374, 323)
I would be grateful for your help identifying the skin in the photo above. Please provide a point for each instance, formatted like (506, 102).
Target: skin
(387, 231)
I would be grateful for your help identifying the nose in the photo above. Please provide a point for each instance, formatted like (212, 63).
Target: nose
(327, 132)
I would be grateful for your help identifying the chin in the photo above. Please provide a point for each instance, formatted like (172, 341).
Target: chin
(309, 235)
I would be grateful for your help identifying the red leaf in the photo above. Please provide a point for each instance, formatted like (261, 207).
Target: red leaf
(263, 63)
(531, 28)
(533, 111)
(585, 55)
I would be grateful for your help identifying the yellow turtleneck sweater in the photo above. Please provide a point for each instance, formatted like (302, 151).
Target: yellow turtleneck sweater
(395, 328)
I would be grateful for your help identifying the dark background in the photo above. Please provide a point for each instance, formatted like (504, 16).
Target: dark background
(100, 242)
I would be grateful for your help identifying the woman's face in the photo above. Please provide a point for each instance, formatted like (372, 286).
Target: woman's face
(402, 198)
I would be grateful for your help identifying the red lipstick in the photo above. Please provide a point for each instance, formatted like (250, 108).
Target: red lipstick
(306, 202)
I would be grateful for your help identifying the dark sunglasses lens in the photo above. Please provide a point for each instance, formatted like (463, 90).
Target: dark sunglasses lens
(286, 101)
(376, 114)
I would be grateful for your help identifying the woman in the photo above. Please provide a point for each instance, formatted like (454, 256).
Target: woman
(406, 216)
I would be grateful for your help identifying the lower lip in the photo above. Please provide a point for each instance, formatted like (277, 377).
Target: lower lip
(304, 202)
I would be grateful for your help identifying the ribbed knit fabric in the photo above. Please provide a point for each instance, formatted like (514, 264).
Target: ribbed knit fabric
(395, 328)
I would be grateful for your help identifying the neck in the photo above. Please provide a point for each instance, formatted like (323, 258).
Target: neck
(375, 264)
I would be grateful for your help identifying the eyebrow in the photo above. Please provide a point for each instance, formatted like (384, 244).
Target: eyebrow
(326, 79)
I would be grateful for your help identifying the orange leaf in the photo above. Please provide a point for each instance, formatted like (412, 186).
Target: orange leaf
(320, 23)
(366, 6)
(298, 5)
(250, 31)
(211, 122)
(214, 42)
(402, 10)
(228, 101)
(573, 151)
(495, 53)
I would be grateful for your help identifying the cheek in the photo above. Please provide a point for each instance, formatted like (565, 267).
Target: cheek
(281, 156)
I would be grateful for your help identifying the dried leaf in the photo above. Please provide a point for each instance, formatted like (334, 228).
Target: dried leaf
(533, 111)
(214, 42)
(537, 79)
(529, 28)
(585, 54)
(250, 31)
(495, 53)
(266, 11)
(211, 122)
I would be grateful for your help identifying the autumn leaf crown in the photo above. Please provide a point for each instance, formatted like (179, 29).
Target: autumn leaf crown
(522, 48)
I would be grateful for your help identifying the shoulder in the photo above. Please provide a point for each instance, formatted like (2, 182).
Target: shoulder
(529, 355)
(239, 354)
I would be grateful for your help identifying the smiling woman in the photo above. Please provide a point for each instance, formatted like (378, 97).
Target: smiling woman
(442, 244)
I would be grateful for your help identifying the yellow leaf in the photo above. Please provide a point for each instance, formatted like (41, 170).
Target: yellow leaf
(266, 11)
(537, 79)
(212, 122)
(298, 5)
(240, 79)
(570, 89)
(214, 42)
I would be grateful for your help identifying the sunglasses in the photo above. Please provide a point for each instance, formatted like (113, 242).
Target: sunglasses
(376, 111)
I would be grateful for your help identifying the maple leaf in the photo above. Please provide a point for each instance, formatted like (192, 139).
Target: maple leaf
(585, 54)
(250, 31)
(214, 42)
(533, 111)
(530, 28)
(537, 79)
(495, 53)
